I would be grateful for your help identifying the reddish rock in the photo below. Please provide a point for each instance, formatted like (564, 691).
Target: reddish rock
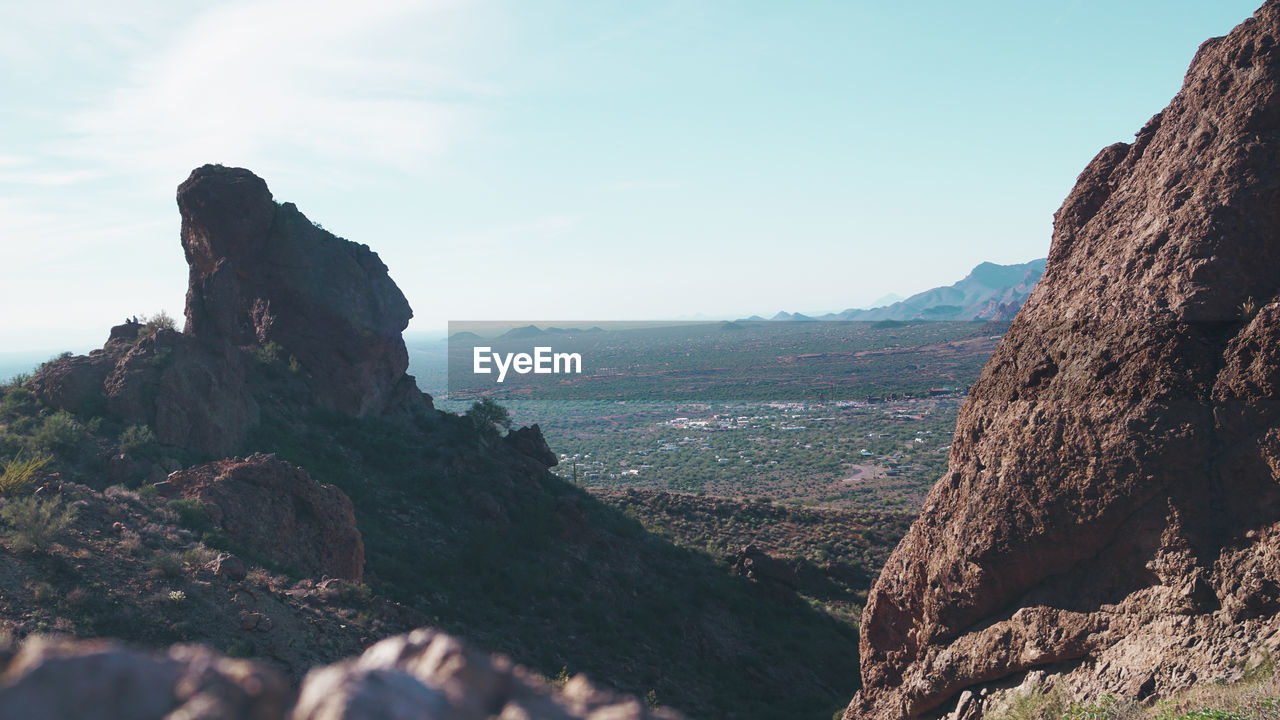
(1111, 513)
(263, 273)
(192, 394)
(276, 510)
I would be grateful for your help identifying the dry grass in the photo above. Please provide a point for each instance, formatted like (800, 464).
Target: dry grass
(1256, 697)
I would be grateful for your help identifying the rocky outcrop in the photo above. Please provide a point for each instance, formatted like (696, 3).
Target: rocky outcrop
(528, 441)
(425, 674)
(267, 289)
(263, 273)
(276, 511)
(1111, 513)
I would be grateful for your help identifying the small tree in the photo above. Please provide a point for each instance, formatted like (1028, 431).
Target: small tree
(489, 417)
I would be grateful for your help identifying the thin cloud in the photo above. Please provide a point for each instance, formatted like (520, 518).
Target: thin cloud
(361, 85)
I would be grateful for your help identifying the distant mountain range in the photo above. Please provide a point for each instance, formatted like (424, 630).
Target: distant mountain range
(989, 292)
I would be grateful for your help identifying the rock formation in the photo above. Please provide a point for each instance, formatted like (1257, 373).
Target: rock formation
(419, 675)
(1111, 513)
(528, 441)
(266, 288)
(263, 273)
(276, 511)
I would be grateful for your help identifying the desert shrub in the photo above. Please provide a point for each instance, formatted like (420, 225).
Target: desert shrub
(489, 417)
(155, 323)
(346, 593)
(31, 523)
(20, 473)
(17, 381)
(136, 438)
(18, 402)
(59, 431)
(1108, 707)
(191, 513)
(168, 564)
(1032, 705)
(269, 353)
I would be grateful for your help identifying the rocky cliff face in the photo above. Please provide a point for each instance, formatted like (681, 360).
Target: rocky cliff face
(1111, 514)
(266, 288)
(263, 273)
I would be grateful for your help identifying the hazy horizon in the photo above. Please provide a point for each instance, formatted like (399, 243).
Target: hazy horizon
(554, 159)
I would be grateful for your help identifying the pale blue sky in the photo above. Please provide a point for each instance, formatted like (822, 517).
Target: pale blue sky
(555, 159)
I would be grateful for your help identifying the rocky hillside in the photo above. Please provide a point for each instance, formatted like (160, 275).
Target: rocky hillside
(826, 555)
(1111, 516)
(292, 350)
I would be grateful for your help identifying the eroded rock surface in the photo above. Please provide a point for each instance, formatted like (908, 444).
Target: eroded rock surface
(263, 273)
(1112, 506)
(277, 511)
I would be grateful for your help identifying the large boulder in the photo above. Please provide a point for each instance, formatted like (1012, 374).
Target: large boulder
(276, 511)
(1111, 513)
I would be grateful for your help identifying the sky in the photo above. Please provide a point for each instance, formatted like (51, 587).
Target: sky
(548, 159)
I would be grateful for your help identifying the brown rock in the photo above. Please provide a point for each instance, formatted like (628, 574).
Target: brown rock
(192, 394)
(263, 273)
(1113, 484)
(276, 510)
(99, 680)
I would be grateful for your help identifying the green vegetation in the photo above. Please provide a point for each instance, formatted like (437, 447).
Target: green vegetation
(31, 523)
(191, 513)
(489, 417)
(159, 321)
(20, 473)
(137, 439)
(875, 456)
(60, 431)
(269, 353)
